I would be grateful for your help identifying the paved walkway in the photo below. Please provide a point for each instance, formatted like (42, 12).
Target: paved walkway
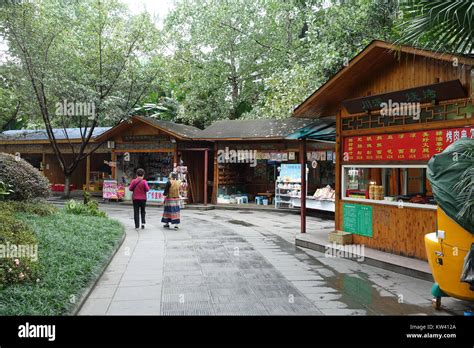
(244, 263)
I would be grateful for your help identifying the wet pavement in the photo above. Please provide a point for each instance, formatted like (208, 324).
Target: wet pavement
(226, 262)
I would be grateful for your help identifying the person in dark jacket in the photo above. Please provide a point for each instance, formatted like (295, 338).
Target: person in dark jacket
(140, 187)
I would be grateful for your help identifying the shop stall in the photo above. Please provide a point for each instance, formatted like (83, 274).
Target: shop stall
(34, 147)
(390, 122)
(250, 154)
(153, 146)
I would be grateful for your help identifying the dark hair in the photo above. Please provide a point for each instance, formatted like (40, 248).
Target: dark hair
(140, 172)
(174, 175)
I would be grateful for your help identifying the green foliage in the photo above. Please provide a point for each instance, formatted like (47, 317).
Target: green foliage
(24, 180)
(73, 250)
(438, 25)
(36, 207)
(81, 51)
(18, 251)
(90, 53)
(5, 190)
(335, 34)
(86, 196)
(252, 59)
(13, 113)
(464, 188)
(91, 208)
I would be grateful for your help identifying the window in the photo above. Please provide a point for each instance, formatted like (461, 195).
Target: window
(387, 184)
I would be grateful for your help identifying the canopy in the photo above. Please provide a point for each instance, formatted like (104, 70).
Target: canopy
(322, 129)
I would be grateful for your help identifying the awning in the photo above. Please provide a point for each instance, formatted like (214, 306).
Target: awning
(323, 129)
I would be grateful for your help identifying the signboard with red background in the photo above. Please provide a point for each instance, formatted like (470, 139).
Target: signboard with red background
(410, 146)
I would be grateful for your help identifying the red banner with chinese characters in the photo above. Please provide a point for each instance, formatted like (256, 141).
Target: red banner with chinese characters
(409, 146)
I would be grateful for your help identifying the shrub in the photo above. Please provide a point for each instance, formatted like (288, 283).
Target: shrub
(25, 181)
(5, 190)
(78, 208)
(18, 251)
(41, 208)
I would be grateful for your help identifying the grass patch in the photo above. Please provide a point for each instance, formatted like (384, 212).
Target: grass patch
(72, 250)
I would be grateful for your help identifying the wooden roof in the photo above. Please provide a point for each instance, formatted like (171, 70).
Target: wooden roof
(376, 55)
(257, 129)
(179, 131)
(40, 136)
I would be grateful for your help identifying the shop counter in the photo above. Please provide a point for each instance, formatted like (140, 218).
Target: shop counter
(317, 204)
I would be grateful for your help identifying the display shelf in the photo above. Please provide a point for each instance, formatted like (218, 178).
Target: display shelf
(282, 195)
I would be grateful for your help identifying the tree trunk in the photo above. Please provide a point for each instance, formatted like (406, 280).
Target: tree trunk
(67, 182)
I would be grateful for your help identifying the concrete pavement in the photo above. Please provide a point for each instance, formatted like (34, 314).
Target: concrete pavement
(225, 262)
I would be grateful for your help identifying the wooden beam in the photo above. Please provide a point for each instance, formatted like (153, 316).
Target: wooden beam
(143, 151)
(465, 122)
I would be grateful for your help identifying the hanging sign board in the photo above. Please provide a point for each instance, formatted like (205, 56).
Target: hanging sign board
(402, 146)
(439, 91)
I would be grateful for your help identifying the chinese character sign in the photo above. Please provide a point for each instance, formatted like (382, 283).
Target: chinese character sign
(402, 146)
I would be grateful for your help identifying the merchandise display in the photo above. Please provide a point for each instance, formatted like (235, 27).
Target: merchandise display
(388, 185)
(325, 193)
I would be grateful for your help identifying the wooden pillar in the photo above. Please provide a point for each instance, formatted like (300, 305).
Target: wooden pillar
(88, 172)
(175, 154)
(303, 184)
(215, 186)
(44, 163)
(339, 157)
(114, 169)
(206, 164)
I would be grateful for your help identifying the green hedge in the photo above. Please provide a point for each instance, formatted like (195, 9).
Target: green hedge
(72, 251)
(25, 181)
(18, 250)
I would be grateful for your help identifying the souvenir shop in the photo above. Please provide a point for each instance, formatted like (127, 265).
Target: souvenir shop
(383, 197)
(255, 170)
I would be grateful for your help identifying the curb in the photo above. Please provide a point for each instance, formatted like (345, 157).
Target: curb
(85, 295)
(370, 261)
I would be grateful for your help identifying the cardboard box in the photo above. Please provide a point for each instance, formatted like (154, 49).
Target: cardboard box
(340, 237)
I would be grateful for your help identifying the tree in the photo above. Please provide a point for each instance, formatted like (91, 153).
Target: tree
(336, 31)
(87, 63)
(250, 59)
(11, 116)
(222, 51)
(438, 25)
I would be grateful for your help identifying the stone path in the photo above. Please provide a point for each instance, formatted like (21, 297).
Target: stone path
(243, 263)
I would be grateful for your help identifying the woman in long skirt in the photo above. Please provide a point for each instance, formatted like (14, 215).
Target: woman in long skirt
(171, 213)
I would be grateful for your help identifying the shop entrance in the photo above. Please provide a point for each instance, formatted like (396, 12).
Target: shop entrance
(157, 166)
(197, 162)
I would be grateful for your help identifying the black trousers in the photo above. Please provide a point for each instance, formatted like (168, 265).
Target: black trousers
(139, 209)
